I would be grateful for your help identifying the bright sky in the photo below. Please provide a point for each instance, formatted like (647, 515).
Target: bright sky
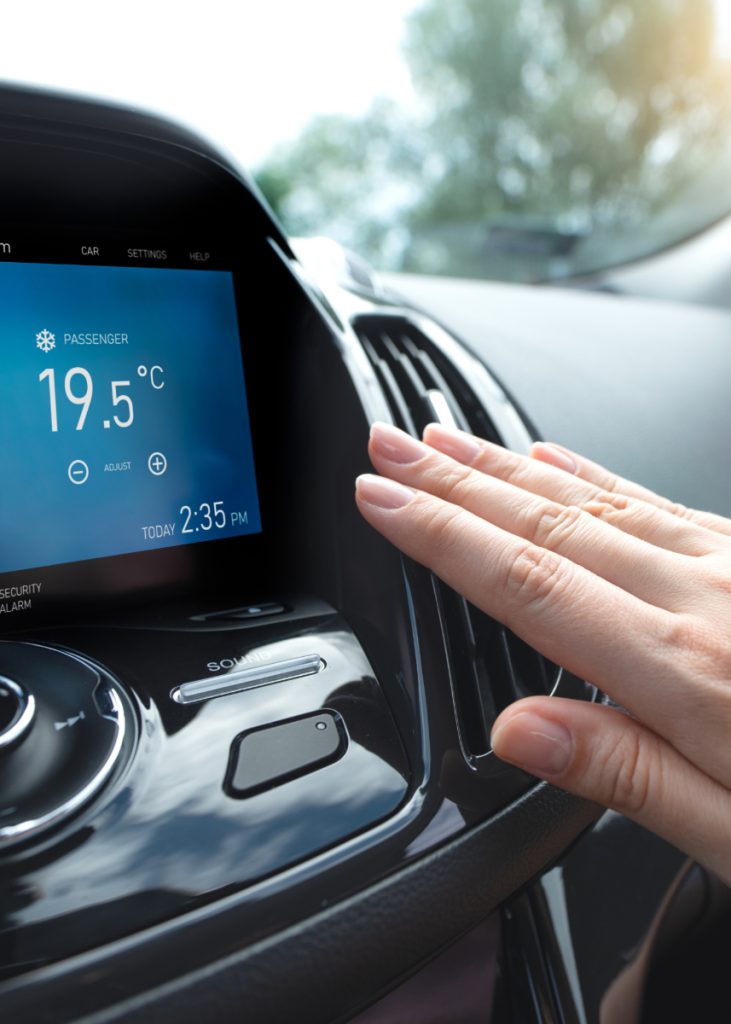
(246, 74)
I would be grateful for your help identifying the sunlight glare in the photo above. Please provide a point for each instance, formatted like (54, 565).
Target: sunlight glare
(723, 27)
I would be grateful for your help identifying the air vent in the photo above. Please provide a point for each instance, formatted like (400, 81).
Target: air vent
(490, 666)
(421, 383)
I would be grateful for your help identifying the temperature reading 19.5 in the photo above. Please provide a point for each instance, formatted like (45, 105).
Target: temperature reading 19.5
(78, 388)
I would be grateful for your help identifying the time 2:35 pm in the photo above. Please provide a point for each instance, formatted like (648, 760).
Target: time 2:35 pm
(206, 517)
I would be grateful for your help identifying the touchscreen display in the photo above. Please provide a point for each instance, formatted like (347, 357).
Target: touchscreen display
(123, 422)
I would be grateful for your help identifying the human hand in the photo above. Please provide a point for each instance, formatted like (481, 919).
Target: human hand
(618, 585)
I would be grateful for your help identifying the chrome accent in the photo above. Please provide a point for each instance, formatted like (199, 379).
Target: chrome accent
(440, 409)
(27, 829)
(21, 723)
(246, 679)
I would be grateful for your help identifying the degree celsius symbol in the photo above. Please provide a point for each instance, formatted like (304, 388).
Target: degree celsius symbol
(155, 375)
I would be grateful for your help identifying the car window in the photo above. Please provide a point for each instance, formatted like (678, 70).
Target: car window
(546, 138)
(521, 140)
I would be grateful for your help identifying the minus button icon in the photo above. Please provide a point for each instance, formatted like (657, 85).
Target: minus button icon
(78, 472)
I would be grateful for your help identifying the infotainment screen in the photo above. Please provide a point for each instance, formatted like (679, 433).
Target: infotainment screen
(124, 424)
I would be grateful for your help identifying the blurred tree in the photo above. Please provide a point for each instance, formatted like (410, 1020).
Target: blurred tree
(547, 122)
(352, 179)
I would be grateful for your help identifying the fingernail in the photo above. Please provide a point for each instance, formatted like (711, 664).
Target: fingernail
(382, 493)
(396, 446)
(455, 443)
(556, 456)
(538, 745)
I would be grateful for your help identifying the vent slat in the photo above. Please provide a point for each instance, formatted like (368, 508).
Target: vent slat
(399, 407)
(414, 389)
(440, 384)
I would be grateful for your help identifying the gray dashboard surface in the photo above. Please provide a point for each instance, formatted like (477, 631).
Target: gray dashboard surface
(641, 386)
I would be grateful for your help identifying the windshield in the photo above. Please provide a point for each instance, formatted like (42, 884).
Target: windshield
(543, 138)
(524, 140)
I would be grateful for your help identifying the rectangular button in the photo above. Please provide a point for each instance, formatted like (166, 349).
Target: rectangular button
(278, 753)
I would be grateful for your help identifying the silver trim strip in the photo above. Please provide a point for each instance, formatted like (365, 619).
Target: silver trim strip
(246, 679)
(23, 718)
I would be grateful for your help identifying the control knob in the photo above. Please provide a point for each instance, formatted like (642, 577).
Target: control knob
(66, 726)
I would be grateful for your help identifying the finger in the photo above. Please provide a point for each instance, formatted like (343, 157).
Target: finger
(554, 483)
(559, 607)
(656, 576)
(603, 755)
(656, 526)
(641, 655)
(603, 478)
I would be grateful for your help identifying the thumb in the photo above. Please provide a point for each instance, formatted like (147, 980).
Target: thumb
(603, 755)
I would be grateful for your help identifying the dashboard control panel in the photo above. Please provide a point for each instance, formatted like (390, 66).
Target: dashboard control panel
(228, 708)
(72, 729)
(184, 711)
(129, 793)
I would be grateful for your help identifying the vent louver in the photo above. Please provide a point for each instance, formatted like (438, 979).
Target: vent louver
(490, 666)
(420, 382)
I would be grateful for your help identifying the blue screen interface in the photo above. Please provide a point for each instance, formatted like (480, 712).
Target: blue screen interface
(124, 424)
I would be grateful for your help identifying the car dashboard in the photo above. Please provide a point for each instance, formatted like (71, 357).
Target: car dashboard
(244, 745)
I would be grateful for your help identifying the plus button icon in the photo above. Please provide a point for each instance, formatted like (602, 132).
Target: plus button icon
(157, 463)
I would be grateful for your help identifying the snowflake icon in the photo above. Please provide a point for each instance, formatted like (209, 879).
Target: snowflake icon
(45, 341)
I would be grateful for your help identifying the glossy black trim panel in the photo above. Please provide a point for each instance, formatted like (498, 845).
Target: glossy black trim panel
(335, 961)
(171, 837)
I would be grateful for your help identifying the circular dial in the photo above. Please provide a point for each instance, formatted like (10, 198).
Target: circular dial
(17, 708)
(65, 725)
